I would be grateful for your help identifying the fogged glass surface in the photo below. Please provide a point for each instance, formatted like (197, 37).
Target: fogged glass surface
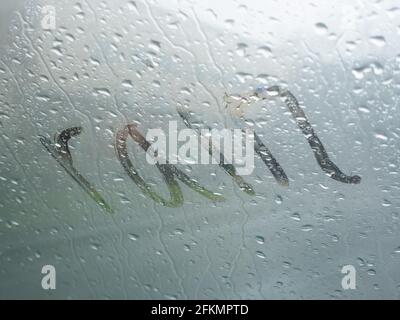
(106, 64)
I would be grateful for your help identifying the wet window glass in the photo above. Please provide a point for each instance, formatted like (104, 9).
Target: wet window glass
(199, 149)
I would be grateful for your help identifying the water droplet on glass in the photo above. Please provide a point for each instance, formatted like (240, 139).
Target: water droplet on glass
(378, 41)
(307, 227)
(321, 28)
(133, 236)
(102, 91)
(260, 254)
(127, 84)
(241, 49)
(260, 239)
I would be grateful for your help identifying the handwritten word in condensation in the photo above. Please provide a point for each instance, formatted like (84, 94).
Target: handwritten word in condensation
(235, 106)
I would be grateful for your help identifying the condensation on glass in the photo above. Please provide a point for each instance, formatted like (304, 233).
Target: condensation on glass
(80, 84)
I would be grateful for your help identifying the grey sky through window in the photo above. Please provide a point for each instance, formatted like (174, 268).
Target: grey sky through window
(78, 194)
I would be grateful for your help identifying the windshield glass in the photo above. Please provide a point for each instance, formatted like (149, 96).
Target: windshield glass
(199, 149)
